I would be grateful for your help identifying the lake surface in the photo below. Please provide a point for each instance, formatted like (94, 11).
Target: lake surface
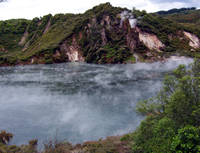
(76, 101)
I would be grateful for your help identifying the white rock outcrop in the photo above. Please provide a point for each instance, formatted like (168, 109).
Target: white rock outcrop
(194, 40)
(73, 54)
(150, 40)
(72, 51)
(47, 27)
(23, 39)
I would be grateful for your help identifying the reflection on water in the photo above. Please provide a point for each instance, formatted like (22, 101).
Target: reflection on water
(76, 101)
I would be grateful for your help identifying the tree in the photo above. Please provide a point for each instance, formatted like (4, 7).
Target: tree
(173, 116)
(187, 140)
(180, 97)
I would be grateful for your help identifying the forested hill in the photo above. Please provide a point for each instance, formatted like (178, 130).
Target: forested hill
(189, 18)
(175, 11)
(103, 34)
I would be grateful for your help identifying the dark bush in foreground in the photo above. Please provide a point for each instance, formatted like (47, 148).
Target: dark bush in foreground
(172, 123)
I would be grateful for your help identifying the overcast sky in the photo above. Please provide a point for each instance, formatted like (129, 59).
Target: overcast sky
(36, 8)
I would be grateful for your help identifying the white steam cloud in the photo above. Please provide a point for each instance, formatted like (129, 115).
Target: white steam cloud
(77, 101)
(128, 15)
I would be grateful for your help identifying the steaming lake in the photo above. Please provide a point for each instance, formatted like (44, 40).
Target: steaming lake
(76, 101)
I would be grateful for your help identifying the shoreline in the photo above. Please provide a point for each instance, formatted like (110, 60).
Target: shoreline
(173, 57)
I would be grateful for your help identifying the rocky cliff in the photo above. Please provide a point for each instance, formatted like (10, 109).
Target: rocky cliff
(104, 34)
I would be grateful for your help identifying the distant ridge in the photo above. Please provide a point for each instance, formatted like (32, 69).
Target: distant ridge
(172, 11)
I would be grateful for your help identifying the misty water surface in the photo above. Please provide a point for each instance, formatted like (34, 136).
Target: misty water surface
(76, 101)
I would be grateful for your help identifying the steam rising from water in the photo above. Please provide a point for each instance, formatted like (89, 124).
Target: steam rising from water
(76, 101)
(128, 15)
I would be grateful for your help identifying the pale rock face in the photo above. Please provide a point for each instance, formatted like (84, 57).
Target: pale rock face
(26, 46)
(150, 40)
(32, 60)
(194, 40)
(23, 39)
(103, 37)
(72, 51)
(47, 27)
(73, 54)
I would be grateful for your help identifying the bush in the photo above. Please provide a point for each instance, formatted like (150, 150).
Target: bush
(173, 115)
(187, 140)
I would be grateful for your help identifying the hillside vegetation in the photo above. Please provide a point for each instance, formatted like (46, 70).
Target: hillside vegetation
(189, 18)
(104, 34)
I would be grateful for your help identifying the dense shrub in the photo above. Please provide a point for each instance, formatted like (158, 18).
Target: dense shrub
(172, 123)
(187, 140)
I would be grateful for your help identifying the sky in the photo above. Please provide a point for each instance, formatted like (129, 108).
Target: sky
(29, 9)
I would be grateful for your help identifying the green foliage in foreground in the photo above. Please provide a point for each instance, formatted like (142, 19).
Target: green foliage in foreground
(172, 121)
(187, 140)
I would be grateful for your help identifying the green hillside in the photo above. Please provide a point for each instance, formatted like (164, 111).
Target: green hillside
(189, 18)
(103, 34)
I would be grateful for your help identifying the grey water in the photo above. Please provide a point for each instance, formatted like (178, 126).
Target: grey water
(76, 101)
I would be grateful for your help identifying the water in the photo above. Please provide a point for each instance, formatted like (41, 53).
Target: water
(76, 101)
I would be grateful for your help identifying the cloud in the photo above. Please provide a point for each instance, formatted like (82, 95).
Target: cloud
(36, 8)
